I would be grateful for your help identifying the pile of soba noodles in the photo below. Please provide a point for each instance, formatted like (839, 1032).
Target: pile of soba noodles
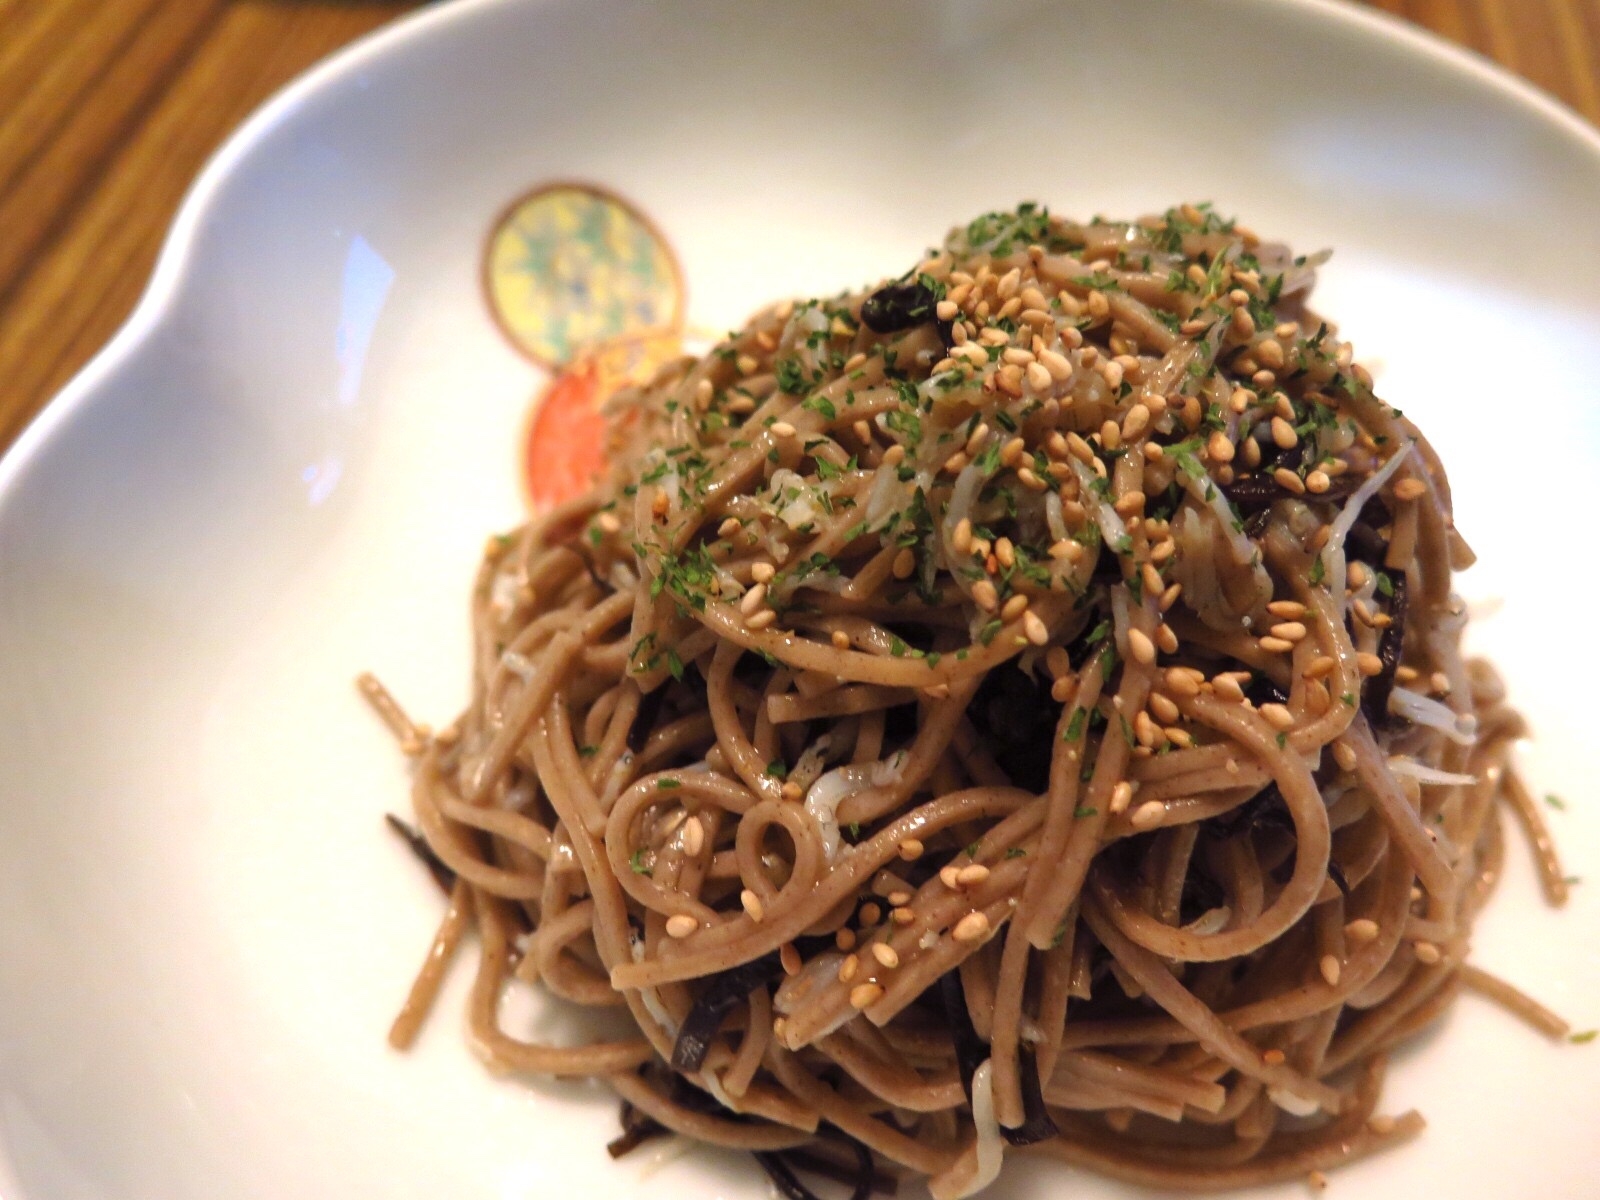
(1016, 705)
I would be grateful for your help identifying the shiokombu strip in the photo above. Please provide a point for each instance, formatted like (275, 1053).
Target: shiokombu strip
(1018, 707)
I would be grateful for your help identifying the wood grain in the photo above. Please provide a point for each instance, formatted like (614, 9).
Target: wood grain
(108, 109)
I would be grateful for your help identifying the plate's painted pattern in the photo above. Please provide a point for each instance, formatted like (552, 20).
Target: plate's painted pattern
(585, 284)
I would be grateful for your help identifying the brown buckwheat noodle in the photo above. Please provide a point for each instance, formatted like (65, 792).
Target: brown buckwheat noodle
(1019, 704)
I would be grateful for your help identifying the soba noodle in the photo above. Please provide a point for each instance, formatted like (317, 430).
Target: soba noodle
(1020, 704)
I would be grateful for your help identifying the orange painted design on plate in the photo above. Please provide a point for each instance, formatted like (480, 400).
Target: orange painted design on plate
(583, 283)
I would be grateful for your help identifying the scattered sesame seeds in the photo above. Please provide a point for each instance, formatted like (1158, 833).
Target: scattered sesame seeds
(905, 562)
(971, 875)
(985, 596)
(840, 639)
(1289, 631)
(760, 620)
(1427, 953)
(1369, 664)
(694, 837)
(1330, 968)
(1275, 645)
(1410, 488)
(886, 955)
(1014, 607)
(910, 850)
(681, 925)
(753, 599)
(849, 967)
(1321, 665)
(789, 958)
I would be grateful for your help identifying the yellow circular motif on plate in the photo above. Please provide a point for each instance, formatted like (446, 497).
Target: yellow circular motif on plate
(570, 266)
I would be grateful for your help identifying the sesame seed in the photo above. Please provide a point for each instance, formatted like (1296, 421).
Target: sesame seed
(1166, 639)
(1279, 717)
(1151, 578)
(840, 639)
(1369, 664)
(791, 791)
(1228, 688)
(1269, 353)
(789, 957)
(1361, 930)
(1274, 645)
(961, 539)
(1289, 610)
(1329, 966)
(1005, 552)
(1027, 477)
(1345, 756)
(1318, 482)
(1273, 1057)
(1141, 647)
(845, 939)
(971, 875)
(746, 363)
(1136, 422)
(885, 954)
(760, 620)
(1038, 376)
(1219, 447)
(1427, 953)
(1317, 1181)
(1121, 794)
(1013, 608)
(865, 995)
(694, 836)
(1181, 683)
(763, 572)
(1288, 481)
(1181, 738)
(905, 562)
(975, 925)
(1163, 709)
(985, 596)
(946, 310)
(1034, 629)
(1410, 488)
(1283, 434)
(902, 916)
(1289, 631)
(1381, 1124)
(753, 599)
(894, 455)
(752, 905)
(1110, 434)
(848, 968)
(681, 925)
(608, 523)
(1148, 815)
(870, 914)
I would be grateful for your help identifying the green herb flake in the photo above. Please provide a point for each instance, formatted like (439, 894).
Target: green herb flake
(1584, 1037)
(666, 785)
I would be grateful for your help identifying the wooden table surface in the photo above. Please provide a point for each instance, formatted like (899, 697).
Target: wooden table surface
(108, 109)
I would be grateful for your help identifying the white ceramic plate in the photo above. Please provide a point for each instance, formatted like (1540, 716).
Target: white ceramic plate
(282, 470)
